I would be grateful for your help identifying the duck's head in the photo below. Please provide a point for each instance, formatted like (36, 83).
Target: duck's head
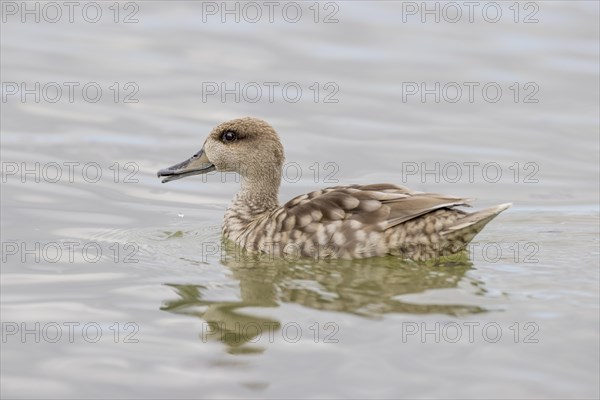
(248, 146)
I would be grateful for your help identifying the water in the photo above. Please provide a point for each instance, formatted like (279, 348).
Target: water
(156, 307)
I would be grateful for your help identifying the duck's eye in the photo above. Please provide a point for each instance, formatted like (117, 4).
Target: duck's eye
(229, 136)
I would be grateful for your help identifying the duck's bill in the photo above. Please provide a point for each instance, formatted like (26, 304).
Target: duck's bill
(195, 165)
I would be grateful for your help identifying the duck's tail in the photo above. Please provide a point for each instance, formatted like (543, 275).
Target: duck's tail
(451, 239)
(464, 229)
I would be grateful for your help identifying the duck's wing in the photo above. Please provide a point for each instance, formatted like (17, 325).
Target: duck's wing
(379, 206)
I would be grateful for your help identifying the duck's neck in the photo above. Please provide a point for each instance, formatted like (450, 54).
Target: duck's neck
(257, 197)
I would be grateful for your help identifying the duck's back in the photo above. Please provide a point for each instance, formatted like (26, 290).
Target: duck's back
(360, 221)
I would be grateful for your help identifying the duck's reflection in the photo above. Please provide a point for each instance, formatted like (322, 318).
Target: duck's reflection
(369, 288)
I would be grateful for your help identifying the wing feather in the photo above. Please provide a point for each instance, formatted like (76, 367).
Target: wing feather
(378, 206)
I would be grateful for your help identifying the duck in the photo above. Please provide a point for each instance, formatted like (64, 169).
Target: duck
(343, 222)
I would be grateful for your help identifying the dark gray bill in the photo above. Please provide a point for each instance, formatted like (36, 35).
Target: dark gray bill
(195, 165)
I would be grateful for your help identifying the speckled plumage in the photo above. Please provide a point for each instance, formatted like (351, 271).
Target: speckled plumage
(355, 221)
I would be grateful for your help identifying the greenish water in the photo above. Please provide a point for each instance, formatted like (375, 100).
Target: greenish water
(181, 315)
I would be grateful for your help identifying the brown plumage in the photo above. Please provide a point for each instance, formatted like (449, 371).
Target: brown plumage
(355, 221)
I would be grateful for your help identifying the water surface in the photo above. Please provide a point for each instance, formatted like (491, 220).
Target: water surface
(182, 316)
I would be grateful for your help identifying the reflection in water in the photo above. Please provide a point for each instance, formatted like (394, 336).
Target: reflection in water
(223, 321)
(369, 288)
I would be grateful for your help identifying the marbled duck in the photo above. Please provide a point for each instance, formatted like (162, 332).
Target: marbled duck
(354, 221)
